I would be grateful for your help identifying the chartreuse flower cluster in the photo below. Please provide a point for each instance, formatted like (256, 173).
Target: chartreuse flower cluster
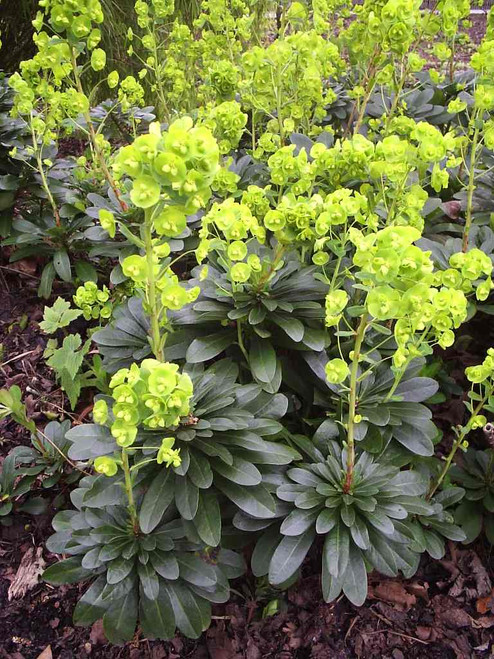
(95, 303)
(153, 395)
(425, 306)
(228, 228)
(172, 171)
(383, 27)
(44, 81)
(289, 80)
(318, 218)
(419, 147)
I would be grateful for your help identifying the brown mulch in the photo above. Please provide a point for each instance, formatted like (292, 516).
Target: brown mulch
(446, 610)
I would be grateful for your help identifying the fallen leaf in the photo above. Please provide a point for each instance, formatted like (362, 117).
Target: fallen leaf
(28, 574)
(485, 622)
(25, 265)
(485, 604)
(424, 633)
(97, 634)
(395, 593)
(46, 654)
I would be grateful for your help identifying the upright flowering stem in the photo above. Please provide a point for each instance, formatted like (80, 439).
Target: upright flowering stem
(44, 182)
(457, 443)
(359, 338)
(130, 492)
(94, 140)
(471, 182)
(152, 298)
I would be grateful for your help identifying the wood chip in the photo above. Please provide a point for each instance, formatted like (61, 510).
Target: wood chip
(28, 574)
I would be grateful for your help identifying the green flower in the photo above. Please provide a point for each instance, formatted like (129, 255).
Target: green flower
(483, 290)
(171, 222)
(320, 258)
(478, 421)
(100, 411)
(383, 302)
(446, 339)
(477, 374)
(167, 455)
(336, 301)
(254, 262)
(127, 161)
(98, 59)
(135, 267)
(112, 80)
(240, 272)
(81, 26)
(93, 39)
(145, 192)
(274, 220)
(126, 413)
(170, 169)
(107, 221)
(337, 371)
(237, 250)
(174, 297)
(123, 433)
(147, 146)
(163, 379)
(105, 465)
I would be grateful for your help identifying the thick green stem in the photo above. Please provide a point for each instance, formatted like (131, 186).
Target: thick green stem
(471, 184)
(359, 338)
(152, 298)
(129, 491)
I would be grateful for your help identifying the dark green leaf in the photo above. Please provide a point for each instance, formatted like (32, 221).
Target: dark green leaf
(156, 500)
(61, 263)
(207, 347)
(156, 616)
(186, 497)
(196, 571)
(263, 552)
(354, 580)
(208, 518)
(149, 580)
(190, 612)
(119, 622)
(118, 569)
(240, 472)
(91, 606)
(298, 521)
(262, 360)
(67, 571)
(255, 501)
(289, 556)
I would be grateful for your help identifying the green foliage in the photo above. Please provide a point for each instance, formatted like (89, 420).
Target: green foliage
(66, 360)
(159, 578)
(283, 283)
(58, 316)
